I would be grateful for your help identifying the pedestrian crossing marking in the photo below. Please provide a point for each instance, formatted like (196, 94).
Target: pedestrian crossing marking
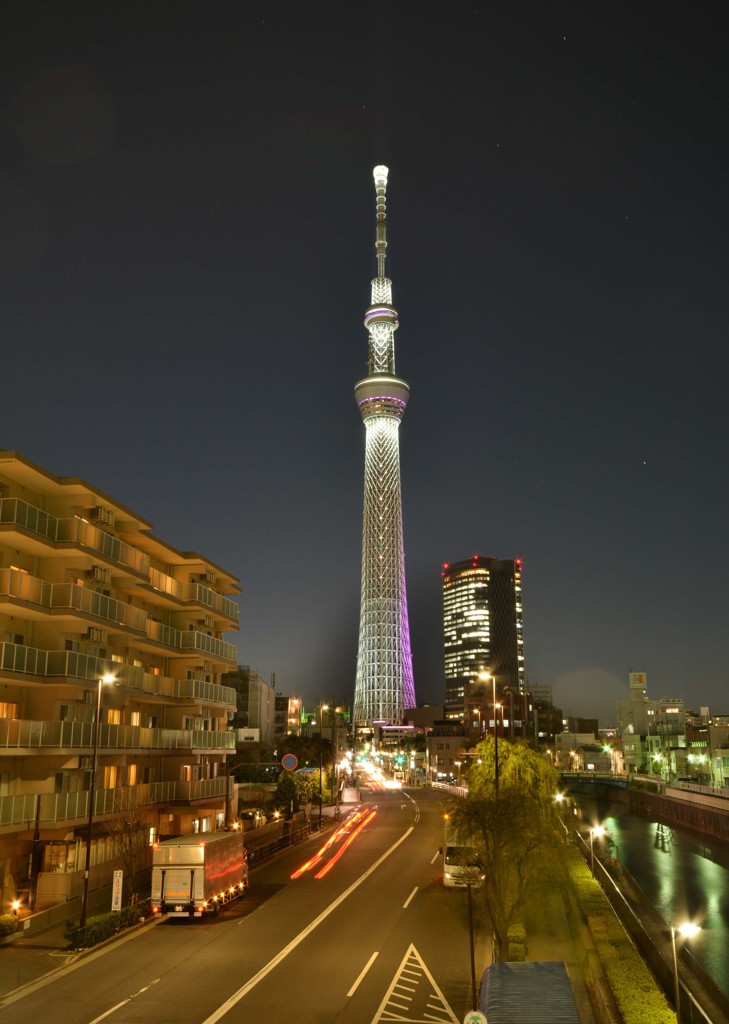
(414, 984)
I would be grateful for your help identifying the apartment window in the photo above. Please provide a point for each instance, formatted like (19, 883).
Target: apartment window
(135, 718)
(62, 782)
(113, 716)
(8, 710)
(14, 638)
(72, 645)
(110, 776)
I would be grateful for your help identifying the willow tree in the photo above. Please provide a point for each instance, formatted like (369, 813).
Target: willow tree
(512, 825)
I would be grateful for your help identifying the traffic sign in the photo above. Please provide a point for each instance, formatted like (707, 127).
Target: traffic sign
(474, 1017)
(116, 890)
(289, 761)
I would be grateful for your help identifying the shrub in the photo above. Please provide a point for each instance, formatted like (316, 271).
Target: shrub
(8, 924)
(516, 933)
(517, 951)
(634, 988)
(102, 927)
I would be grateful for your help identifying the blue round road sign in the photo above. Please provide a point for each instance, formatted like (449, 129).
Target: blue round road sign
(289, 761)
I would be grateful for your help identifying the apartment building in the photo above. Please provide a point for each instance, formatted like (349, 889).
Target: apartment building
(87, 592)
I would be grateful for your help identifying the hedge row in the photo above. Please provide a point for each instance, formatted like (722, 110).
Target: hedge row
(634, 988)
(8, 925)
(102, 927)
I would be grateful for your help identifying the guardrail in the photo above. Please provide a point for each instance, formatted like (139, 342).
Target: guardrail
(644, 938)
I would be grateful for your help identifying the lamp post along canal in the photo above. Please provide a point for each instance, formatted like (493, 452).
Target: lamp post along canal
(687, 931)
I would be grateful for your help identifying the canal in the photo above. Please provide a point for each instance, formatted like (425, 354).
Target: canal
(685, 876)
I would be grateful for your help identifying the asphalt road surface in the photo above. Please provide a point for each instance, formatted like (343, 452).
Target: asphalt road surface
(364, 932)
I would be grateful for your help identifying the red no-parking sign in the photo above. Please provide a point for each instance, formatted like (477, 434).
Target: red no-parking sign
(289, 761)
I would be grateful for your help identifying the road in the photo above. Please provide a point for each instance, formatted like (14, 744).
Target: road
(374, 938)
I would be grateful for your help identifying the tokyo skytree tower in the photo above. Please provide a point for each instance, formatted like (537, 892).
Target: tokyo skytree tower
(384, 685)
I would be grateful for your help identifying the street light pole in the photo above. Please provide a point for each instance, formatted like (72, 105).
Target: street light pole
(92, 797)
(687, 930)
(484, 677)
(322, 709)
(598, 830)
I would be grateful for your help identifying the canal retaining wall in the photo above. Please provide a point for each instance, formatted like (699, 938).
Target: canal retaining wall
(704, 814)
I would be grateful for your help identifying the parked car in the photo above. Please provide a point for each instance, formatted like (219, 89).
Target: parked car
(252, 817)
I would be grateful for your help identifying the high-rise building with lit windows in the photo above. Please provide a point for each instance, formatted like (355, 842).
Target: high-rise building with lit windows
(482, 626)
(384, 685)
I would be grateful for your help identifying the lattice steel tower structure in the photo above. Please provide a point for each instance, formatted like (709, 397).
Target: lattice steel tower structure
(384, 685)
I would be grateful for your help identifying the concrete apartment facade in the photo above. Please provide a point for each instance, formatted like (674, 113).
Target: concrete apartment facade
(87, 592)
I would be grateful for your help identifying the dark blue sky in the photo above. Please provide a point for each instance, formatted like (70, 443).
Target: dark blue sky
(187, 246)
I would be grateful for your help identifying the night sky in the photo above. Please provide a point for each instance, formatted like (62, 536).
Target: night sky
(186, 247)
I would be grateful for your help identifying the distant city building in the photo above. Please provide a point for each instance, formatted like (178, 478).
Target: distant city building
(256, 704)
(384, 685)
(86, 592)
(652, 732)
(482, 628)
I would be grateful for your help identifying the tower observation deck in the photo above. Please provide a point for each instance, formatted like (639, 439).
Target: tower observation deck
(384, 686)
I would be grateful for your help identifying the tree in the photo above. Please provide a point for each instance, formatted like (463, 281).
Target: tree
(129, 835)
(299, 787)
(513, 829)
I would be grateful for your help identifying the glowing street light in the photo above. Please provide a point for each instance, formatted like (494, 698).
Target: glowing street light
(687, 930)
(484, 677)
(598, 831)
(106, 679)
(322, 709)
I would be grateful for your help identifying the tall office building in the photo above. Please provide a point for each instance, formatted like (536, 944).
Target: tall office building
(86, 593)
(384, 686)
(482, 626)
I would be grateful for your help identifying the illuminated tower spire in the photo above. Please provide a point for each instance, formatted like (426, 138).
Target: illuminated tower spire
(384, 662)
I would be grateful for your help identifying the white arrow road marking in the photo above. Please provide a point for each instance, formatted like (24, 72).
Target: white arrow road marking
(414, 996)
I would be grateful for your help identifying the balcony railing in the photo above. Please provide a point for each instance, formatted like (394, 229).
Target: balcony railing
(211, 599)
(57, 808)
(73, 531)
(90, 602)
(58, 596)
(74, 665)
(195, 641)
(21, 734)
(192, 640)
(194, 593)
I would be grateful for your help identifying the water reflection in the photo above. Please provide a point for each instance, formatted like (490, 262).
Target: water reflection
(684, 877)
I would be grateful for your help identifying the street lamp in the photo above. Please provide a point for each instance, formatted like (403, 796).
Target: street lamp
(322, 709)
(92, 795)
(688, 931)
(598, 831)
(484, 677)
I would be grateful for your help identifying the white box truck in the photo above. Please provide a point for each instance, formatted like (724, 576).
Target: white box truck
(461, 865)
(198, 874)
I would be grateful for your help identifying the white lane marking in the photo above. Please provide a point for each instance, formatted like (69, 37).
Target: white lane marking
(124, 1002)
(216, 1015)
(405, 904)
(436, 855)
(362, 973)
